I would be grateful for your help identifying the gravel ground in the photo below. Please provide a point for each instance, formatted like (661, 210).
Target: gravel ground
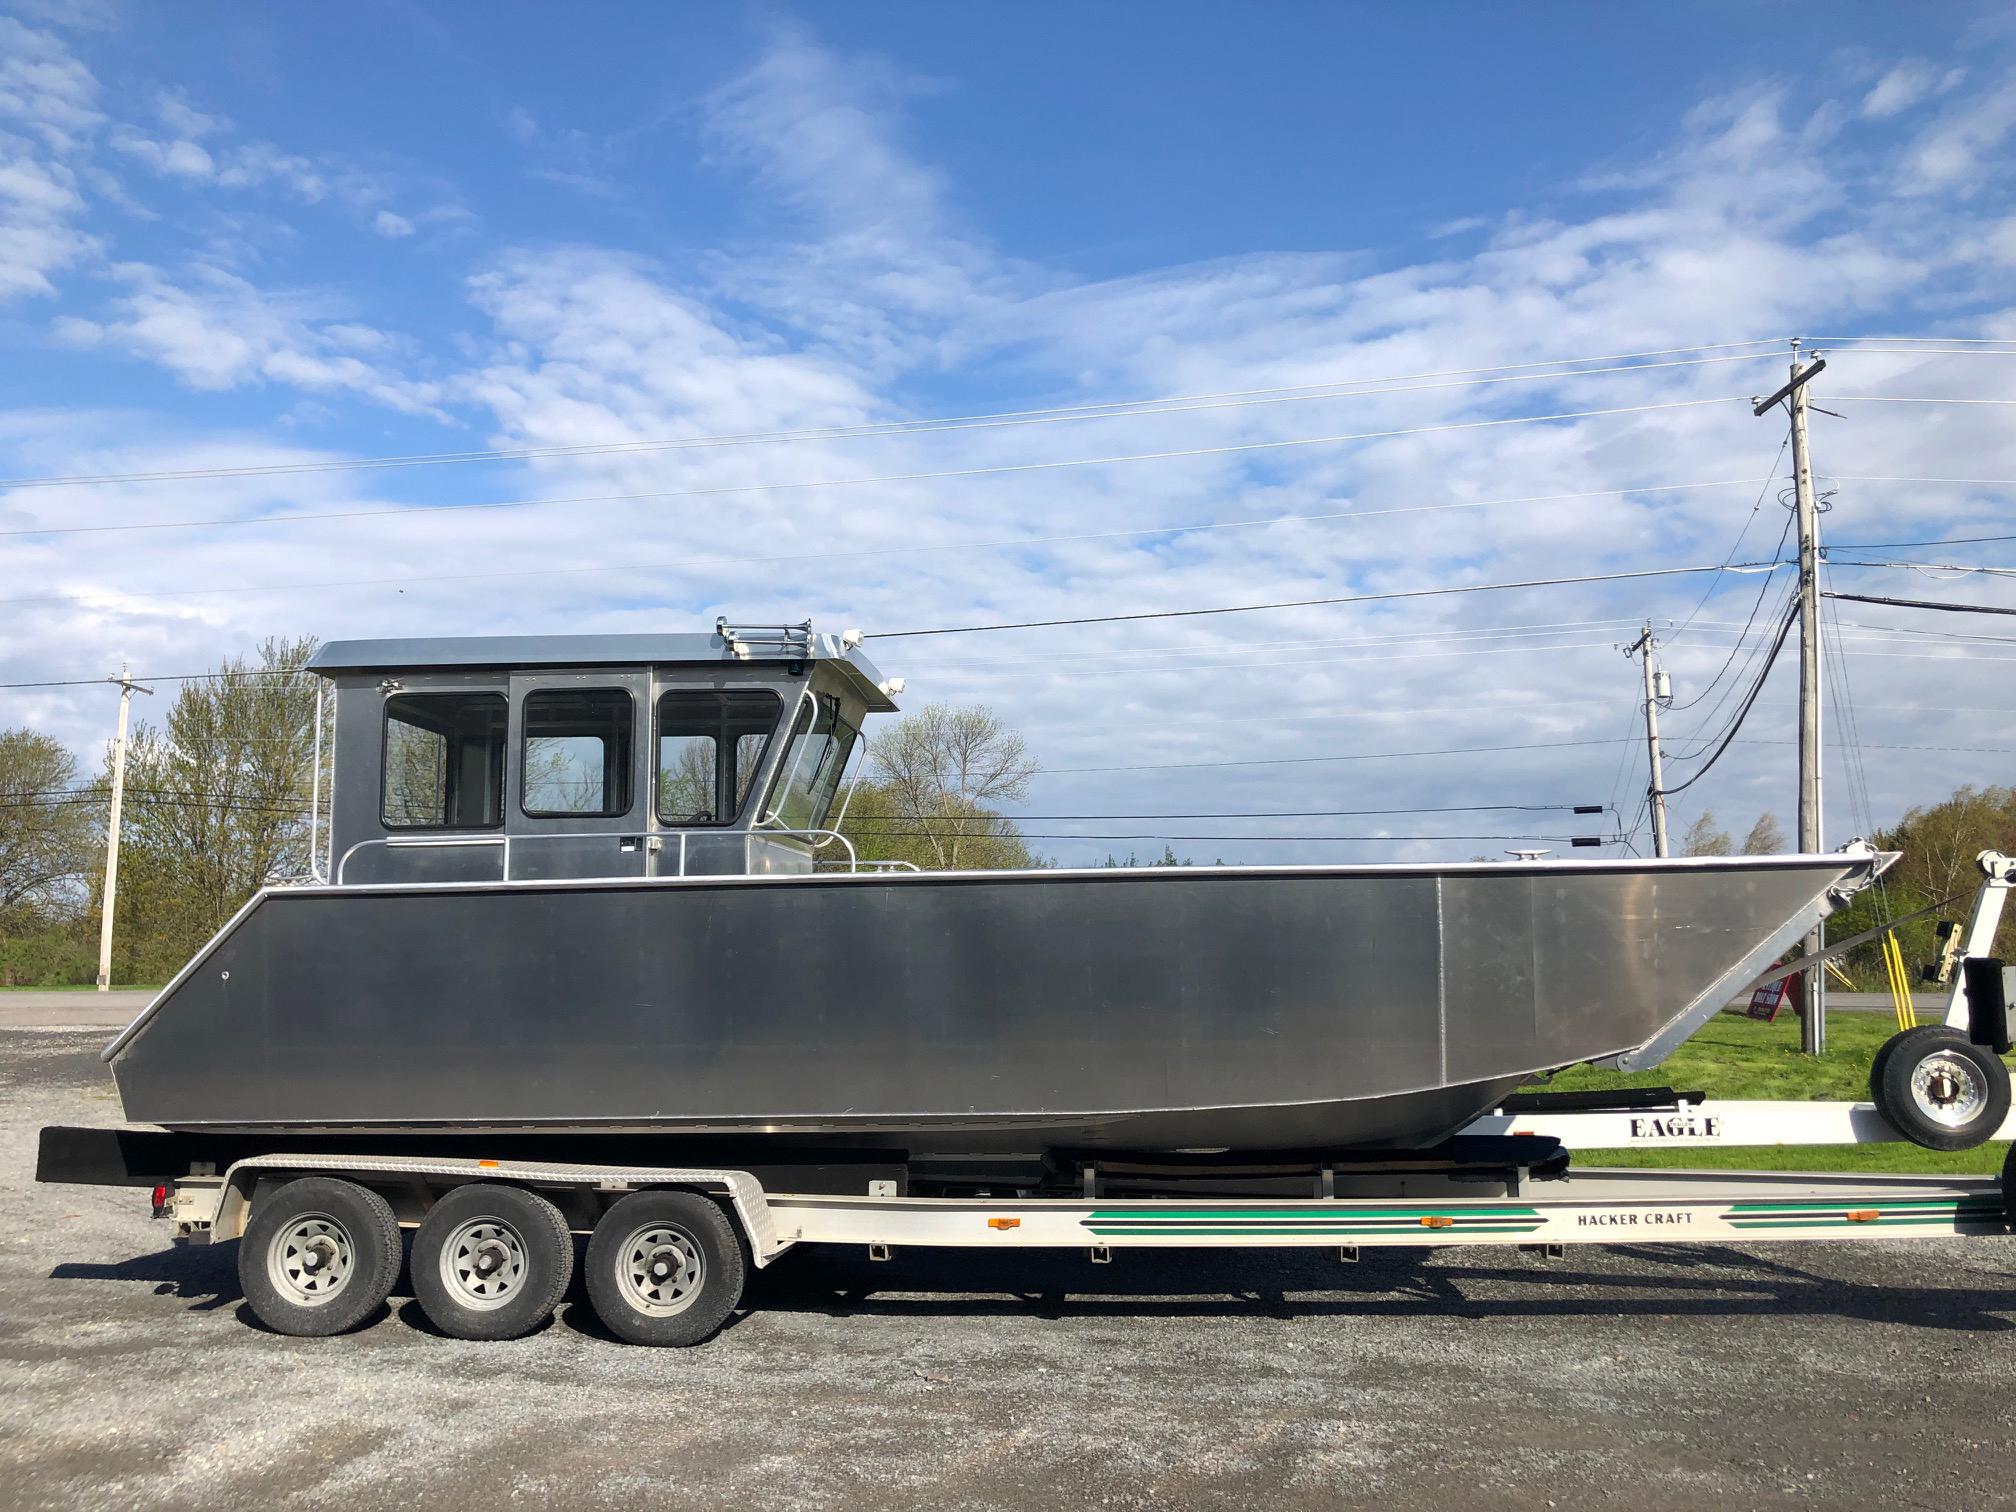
(131, 1375)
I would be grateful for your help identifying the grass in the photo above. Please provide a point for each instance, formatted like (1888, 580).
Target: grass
(87, 987)
(1737, 1057)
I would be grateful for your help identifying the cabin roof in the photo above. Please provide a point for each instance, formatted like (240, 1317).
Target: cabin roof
(770, 645)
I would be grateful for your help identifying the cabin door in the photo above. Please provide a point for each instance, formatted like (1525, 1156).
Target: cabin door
(579, 775)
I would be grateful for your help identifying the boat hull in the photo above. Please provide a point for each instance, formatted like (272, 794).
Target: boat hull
(1251, 1009)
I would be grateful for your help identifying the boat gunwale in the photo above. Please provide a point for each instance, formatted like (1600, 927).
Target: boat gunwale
(1842, 861)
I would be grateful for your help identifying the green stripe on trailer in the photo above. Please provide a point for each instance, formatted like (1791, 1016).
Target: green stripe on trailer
(1781, 1224)
(1786, 1215)
(1881, 1206)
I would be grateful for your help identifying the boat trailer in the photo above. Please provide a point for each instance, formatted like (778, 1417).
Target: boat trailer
(670, 1247)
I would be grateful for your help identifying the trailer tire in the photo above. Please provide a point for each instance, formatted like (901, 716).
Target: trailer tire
(491, 1261)
(665, 1268)
(1940, 1090)
(1876, 1064)
(319, 1256)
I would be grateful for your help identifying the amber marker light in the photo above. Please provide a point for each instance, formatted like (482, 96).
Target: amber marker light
(1004, 1223)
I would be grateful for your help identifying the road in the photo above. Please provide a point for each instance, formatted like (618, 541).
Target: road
(74, 1010)
(132, 1376)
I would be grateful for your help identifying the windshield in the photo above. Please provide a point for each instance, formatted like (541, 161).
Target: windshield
(816, 756)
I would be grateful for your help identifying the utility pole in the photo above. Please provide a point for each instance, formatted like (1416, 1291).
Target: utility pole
(1657, 692)
(1814, 1031)
(127, 688)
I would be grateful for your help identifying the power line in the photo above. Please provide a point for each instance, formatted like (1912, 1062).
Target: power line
(1009, 542)
(1094, 535)
(648, 494)
(1904, 603)
(1250, 647)
(1897, 545)
(1961, 568)
(1467, 648)
(1912, 399)
(1351, 598)
(1170, 766)
(1969, 341)
(1111, 409)
(1277, 839)
(1741, 713)
(175, 677)
(1008, 468)
(1454, 808)
(1748, 520)
(1892, 478)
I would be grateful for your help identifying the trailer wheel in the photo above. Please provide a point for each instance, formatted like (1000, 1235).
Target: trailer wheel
(1876, 1064)
(491, 1261)
(664, 1268)
(1940, 1089)
(2009, 1187)
(318, 1256)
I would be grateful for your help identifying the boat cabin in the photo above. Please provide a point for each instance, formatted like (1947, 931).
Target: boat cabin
(527, 758)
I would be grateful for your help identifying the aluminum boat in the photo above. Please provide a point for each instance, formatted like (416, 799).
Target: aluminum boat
(589, 886)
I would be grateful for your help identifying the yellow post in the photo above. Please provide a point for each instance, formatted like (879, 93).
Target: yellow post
(1900, 981)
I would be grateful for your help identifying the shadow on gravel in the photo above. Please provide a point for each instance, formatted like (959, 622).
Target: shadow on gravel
(1722, 1282)
(203, 1274)
(1676, 1281)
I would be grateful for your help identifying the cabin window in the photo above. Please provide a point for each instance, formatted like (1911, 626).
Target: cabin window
(577, 752)
(809, 779)
(710, 745)
(444, 761)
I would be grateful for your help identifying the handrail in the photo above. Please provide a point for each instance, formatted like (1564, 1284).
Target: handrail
(819, 838)
(860, 749)
(315, 792)
(423, 842)
(749, 841)
(781, 783)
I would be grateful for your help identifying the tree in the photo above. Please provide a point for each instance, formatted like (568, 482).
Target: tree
(1704, 839)
(48, 830)
(1765, 838)
(216, 805)
(936, 781)
(1167, 858)
(1938, 843)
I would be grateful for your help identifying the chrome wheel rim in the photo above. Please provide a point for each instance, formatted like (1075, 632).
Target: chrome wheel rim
(483, 1264)
(311, 1260)
(661, 1269)
(1948, 1090)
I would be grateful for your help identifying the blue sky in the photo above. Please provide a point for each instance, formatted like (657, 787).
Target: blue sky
(304, 236)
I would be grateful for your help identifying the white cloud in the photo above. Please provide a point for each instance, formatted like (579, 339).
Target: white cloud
(522, 127)
(52, 99)
(184, 119)
(1899, 89)
(256, 163)
(179, 158)
(217, 331)
(390, 225)
(1745, 225)
(1963, 149)
(44, 88)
